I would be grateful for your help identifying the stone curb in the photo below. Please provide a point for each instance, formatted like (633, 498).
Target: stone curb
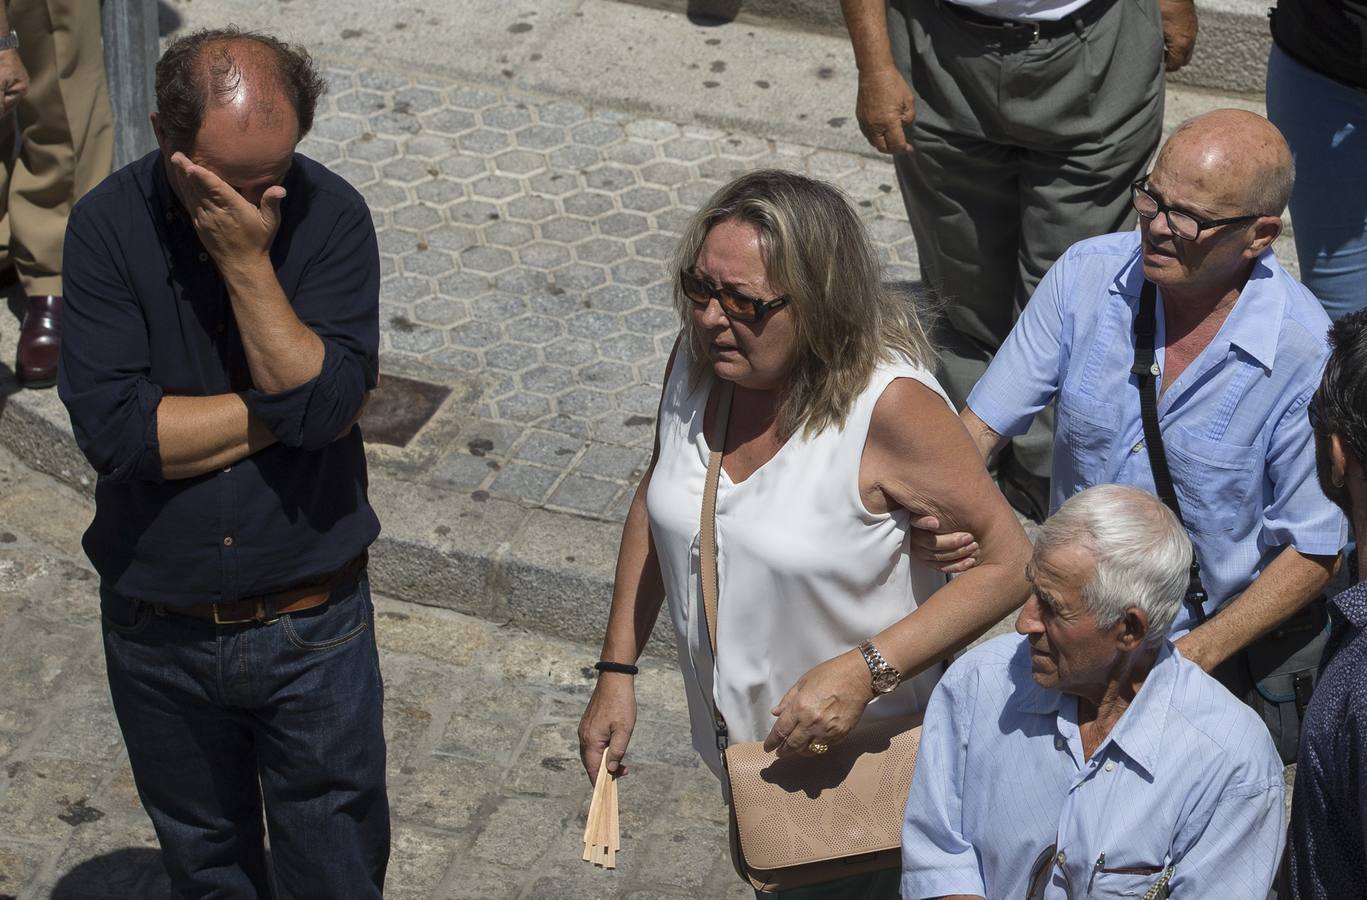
(1231, 47)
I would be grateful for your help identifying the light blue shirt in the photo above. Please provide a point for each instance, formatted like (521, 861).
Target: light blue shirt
(1239, 443)
(1188, 777)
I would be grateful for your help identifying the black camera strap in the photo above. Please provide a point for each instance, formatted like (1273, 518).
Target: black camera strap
(1146, 372)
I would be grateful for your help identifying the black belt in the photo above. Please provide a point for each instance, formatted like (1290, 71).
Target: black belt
(1009, 31)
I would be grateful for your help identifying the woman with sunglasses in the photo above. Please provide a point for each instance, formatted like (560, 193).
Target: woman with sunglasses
(834, 438)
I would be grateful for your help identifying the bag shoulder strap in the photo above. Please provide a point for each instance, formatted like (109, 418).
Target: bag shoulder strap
(707, 536)
(1146, 372)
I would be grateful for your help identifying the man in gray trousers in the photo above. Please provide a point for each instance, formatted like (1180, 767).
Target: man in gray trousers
(1017, 128)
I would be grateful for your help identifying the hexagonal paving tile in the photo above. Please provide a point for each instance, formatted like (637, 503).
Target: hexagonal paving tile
(573, 157)
(566, 229)
(472, 212)
(506, 117)
(530, 208)
(562, 112)
(406, 170)
(441, 311)
(588, 204)
(630, 153)
(440, 191)
(432, 263)
(553, 183)
(371, 148)
(543, 254)
(602, 250)
(484, 141)
(645, 199)
(638, 272)
(579, 276)
(614, 298)
(688, 149)
(623, 224)
(508, 234)
(534, 329)
(511, 357)
(416, 217)
(519, 162)
(610, 177)
(595, 133)
(485, 259)
(495, 187)
(654, 246)
(462, 166)
(448, 121)
(540, 137)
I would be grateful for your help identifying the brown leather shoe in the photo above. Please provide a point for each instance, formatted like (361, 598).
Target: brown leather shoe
(40, 342)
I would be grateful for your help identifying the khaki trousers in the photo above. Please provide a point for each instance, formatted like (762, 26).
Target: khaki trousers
(66, 133)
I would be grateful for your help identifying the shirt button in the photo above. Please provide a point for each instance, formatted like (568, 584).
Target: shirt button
(228, 541)
(1061, 859)
(1137, 447)
(226, 470)
(203, 257)
(1110, 766)
(1058, 742)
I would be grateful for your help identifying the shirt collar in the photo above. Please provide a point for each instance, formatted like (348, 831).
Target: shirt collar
(1352, 604)
(1139, 733)
(1248, 326)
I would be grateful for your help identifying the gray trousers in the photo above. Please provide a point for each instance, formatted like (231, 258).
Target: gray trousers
(1020, 151)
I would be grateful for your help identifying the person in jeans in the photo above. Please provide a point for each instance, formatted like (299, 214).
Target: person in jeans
(1317, 95)
(222, 337)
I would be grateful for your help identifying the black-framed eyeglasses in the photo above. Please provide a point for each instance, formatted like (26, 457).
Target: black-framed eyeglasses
(734, 304)
(1182, 223)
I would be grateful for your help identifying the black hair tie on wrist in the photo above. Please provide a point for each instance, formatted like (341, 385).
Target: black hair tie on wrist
(604, 666)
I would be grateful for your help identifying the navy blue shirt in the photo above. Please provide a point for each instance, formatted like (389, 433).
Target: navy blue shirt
(1329, 804)
(147, 314)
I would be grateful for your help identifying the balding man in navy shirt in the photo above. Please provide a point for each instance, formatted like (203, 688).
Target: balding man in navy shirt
(221, 336)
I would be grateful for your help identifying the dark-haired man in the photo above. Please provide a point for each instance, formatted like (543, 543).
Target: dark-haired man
(1327, 844)
(221, 337)
(1237, 347)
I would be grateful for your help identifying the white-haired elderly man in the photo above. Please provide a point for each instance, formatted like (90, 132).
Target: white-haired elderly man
(1088, 758)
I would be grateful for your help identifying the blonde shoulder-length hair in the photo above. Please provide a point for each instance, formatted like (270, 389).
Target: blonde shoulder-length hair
(817, 254)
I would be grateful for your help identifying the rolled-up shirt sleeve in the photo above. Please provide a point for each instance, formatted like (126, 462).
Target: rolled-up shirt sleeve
(338, 298)
(103, 372)
(1024, 374)
(1297, 513)
(937, 859)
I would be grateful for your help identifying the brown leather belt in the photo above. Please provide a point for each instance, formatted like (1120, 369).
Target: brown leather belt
(266, 608)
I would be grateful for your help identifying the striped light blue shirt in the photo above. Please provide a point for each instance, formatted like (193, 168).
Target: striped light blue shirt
(1239, 443)
(1188, 778)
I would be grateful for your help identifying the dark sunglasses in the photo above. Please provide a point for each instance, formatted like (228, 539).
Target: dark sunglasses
(734, 304)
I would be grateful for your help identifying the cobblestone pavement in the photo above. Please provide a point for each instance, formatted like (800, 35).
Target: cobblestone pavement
(487, 794)
(525, 244)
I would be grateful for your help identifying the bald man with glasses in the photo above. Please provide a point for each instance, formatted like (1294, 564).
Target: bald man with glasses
(1236, 347)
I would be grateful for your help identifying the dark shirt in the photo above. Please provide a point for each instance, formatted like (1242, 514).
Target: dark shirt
(1329, 804)
(148, 314)
(1328, 36)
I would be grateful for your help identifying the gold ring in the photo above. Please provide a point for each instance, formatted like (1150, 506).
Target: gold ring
(818, 747)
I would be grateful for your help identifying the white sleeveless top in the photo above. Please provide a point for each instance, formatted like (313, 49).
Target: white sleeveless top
(805, 571)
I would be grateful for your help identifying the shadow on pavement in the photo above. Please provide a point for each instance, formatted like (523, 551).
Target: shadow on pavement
(121, 873)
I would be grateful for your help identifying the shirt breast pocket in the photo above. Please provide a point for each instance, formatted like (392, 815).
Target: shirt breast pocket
(1125, 884)
(1213, 480)
(1089, 427)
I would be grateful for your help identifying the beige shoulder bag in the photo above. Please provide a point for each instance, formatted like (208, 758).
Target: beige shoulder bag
(806, 820)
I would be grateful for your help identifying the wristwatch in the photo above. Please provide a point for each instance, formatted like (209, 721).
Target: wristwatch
(10, 41)
(885, 678)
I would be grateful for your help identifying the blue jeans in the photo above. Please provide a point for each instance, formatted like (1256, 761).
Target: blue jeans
(225, 721)
(1325, 123)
